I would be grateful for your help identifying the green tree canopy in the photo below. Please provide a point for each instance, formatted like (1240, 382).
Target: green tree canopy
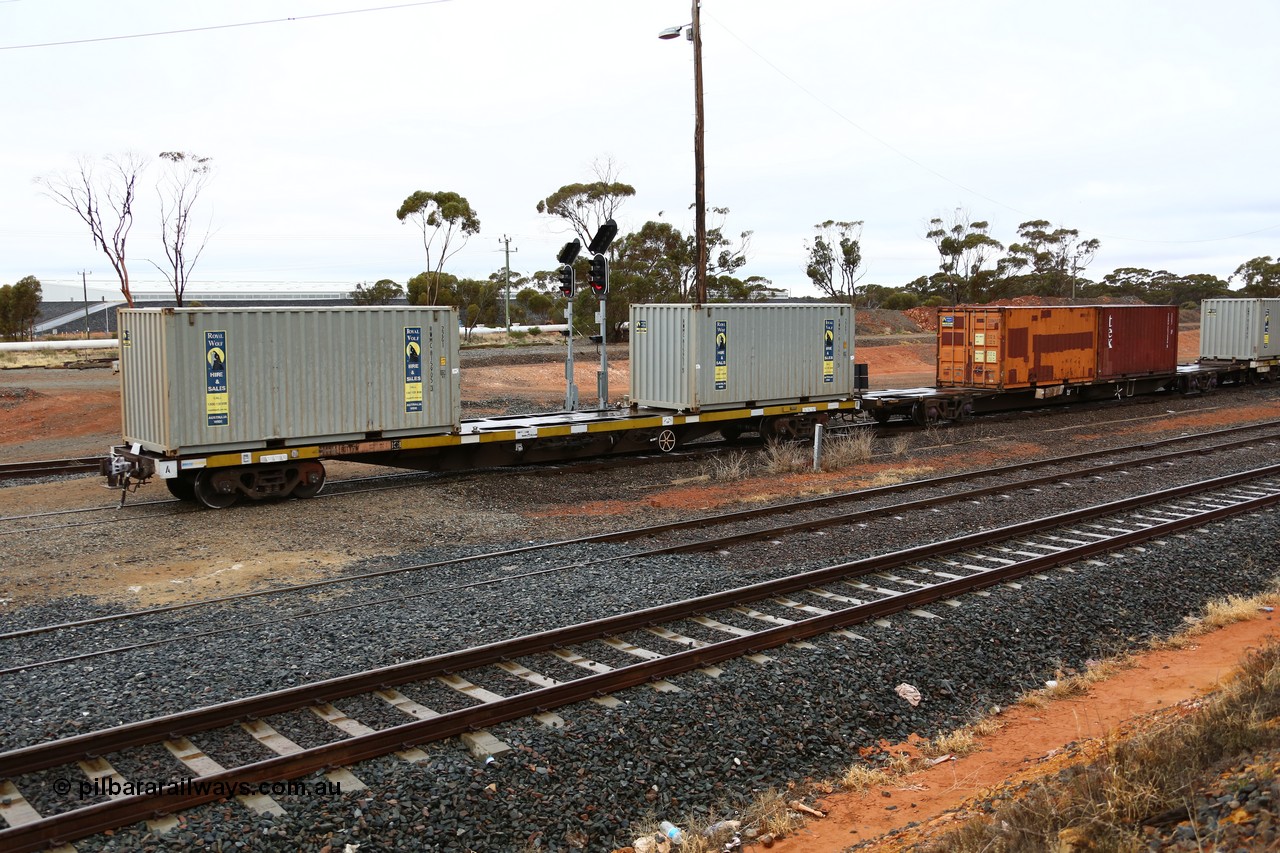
(1260, 276)
(964, 247)
(587, 206)
(1159, 287)
(428, 288)
(19, 308)
(444, 215)
(477, 303)
(382, 292)
(1053, 259)
(834, 258)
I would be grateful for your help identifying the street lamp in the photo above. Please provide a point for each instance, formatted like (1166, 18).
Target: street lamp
(694, 33)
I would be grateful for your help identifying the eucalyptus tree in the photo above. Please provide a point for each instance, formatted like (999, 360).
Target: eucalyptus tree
(1260, 277)
(443, 215)
(585, 207)
(428, 288)
(179, 189)
(382, 292)
(834, 258)
(19, 308)
(964, 247)
(85, 191)
(1053, 259)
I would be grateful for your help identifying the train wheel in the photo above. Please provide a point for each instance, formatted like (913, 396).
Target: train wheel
(181, 487)
(924, 414)
(207, 491)
(880, 416)
(731, 433)
(310, 481)
(667, 439)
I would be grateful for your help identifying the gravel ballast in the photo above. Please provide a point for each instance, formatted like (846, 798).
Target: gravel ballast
(703, 751)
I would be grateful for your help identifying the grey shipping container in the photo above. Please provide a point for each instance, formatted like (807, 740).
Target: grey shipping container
(206, 380)
(693, 358)
(1239, 329)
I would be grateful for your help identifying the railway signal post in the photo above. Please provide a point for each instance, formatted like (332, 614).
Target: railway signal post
(566, 257)
(599, 281)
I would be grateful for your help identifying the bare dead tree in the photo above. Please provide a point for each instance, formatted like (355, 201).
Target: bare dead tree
(179, 189)
(84, 193)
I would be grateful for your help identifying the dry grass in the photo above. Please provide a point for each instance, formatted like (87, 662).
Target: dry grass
(860, 777)
(1100, 805)
(784, 457)
(51, 357)
(898, 446)
(729, 465)
(893, 476)
(769, 813)
(1219, 614)
(846, 449)
(959, 742)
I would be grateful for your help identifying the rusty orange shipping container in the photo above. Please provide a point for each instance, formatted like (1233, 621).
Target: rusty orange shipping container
(1004, 347)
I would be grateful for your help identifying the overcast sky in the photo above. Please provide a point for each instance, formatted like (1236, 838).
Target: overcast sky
(1149, 124)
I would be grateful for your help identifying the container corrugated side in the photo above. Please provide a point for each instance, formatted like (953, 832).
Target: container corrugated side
(1239, 329)
(200, 380)
(726, 355)
(1010, 347)
(1137, 340)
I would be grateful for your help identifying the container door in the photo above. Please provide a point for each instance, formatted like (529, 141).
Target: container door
(984, 349)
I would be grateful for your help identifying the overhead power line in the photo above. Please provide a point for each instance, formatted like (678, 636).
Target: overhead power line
(224, 26)
(925, 167)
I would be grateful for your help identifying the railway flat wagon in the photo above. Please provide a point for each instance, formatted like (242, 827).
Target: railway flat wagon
(260, 381)
(1019, 347)
(704, 358)
(1240, 330)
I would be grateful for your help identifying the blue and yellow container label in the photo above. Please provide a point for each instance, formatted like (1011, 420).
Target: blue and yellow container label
(829, 351)
(413, 369)
(722, 355)
(216, 406)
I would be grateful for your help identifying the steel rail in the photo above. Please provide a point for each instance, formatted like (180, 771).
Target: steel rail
(76, 747)
(678, 548)
(699, 522)
(126, 810)
(49, 467)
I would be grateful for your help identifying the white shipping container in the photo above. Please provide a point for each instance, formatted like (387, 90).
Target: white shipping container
(204, 380)
(1239, 329)
(695, 358)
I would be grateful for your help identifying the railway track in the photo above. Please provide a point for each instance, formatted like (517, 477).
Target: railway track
(663, 641)
(343, 487)
(50, 468)
(736, 528)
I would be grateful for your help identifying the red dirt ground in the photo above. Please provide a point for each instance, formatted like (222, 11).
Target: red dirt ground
(1026, 744)
(89, 418)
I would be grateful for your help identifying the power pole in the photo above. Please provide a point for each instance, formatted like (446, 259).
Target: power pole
(699, 169)
(506, 241)
(84, 285)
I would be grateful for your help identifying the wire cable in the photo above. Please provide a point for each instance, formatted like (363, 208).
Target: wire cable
(949, 180)
(224, 26)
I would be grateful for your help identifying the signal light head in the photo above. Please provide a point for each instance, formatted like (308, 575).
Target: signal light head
(566, 279)
(599, 278)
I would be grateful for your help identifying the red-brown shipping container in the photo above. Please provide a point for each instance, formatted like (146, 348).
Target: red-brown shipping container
(1012, 347)
(1137, 340)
